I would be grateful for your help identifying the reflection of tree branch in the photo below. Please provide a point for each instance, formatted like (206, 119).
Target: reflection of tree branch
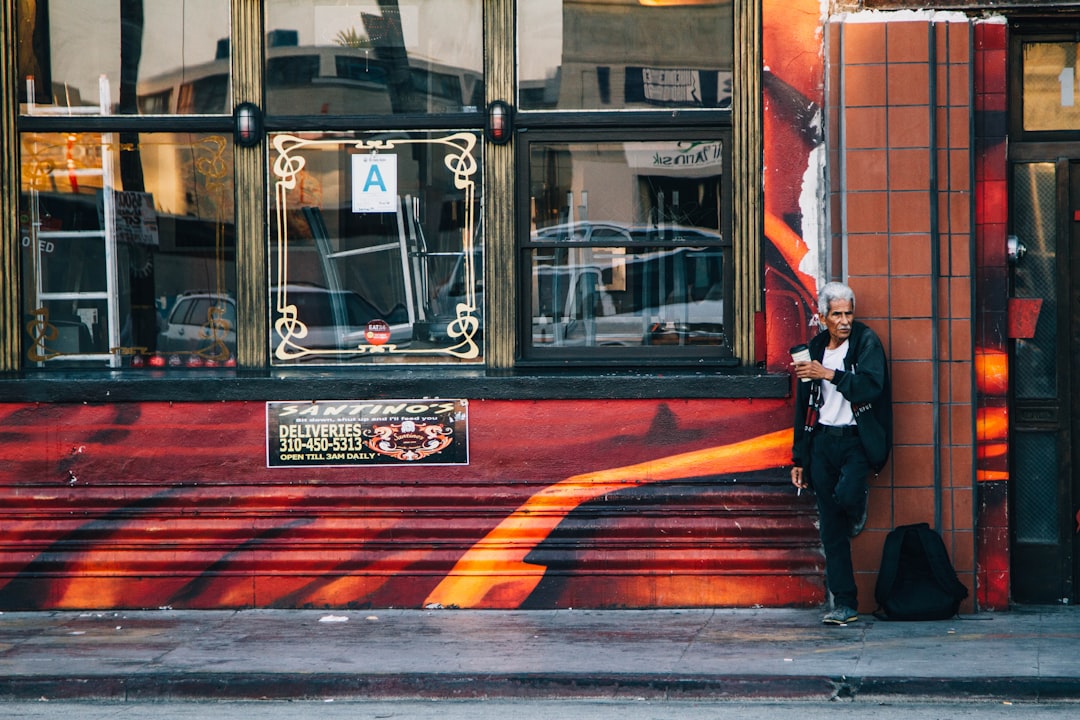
(389, 41)
(352, 39)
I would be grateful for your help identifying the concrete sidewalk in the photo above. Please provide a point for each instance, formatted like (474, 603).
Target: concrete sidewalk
(1025, 654)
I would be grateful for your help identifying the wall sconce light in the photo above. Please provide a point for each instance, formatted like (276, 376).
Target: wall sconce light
(500, 122)
(247, 119)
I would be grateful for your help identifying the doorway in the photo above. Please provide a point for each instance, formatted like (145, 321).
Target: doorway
(1044, 278)
(1045, 359)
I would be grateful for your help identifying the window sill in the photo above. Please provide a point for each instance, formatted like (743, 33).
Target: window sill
(330, 384)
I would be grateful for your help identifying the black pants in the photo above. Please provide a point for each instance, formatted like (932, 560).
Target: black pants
(838, 472)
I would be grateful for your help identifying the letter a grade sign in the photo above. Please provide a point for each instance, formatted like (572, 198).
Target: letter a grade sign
(374, 183)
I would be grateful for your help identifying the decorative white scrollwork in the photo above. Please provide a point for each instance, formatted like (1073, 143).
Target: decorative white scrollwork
(289, 165)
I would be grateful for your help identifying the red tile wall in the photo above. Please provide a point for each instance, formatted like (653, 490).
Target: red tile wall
(904, 159)
(991, 283)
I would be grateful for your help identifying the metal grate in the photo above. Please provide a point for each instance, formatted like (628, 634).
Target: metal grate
(1036, 507)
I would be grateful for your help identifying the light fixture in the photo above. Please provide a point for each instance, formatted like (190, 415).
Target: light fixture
(500, 124)
(247, 119)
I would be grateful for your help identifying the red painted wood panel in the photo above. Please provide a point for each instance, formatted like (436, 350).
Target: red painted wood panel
(590, 503)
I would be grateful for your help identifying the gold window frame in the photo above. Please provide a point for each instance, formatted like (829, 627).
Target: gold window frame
(287, 165)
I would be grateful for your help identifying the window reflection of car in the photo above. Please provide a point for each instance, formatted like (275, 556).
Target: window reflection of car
(332, 319)
(585, 231)
(197, 321)
(600, 232)
(669, 296)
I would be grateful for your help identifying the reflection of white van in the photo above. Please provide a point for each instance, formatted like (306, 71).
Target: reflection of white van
(613, 296)
(197, 321)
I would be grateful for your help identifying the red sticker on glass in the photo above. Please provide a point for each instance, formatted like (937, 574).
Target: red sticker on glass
(377, 332)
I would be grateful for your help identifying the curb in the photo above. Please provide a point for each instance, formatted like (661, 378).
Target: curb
(296, 686)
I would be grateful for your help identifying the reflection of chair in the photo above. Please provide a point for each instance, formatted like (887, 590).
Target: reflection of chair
(72, 338)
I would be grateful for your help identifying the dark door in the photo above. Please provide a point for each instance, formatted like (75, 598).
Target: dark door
(1045, 416)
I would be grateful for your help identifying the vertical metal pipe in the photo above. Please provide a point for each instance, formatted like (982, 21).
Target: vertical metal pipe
(935, 266)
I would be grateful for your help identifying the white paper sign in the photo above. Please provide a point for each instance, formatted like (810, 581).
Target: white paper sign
(374, 183)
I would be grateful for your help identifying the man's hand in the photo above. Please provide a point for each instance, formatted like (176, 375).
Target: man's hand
(797, 478)
(813, 370)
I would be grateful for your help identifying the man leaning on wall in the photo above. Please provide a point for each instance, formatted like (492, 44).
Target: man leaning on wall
(843, 431)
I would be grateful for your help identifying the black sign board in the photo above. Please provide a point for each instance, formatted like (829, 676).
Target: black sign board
(367, 432)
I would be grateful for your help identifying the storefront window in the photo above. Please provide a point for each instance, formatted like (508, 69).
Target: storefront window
(362, 57)
(128, 250)
(375, 251)
(627, 254)
(372, 129)
(624, 54)
(102, 57)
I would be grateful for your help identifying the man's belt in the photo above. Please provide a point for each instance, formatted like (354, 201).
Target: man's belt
(837, 430)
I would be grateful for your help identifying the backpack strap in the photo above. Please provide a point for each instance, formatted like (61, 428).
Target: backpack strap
(890, 565)
(934, 549)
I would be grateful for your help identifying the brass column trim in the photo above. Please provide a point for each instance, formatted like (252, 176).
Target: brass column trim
(500, 257)
(10, 316)
(249, 177)
(747, 223)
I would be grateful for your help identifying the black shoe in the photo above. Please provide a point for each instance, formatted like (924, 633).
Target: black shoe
(858, 525)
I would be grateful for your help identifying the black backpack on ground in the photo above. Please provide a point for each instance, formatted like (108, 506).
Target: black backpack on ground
(917, 581)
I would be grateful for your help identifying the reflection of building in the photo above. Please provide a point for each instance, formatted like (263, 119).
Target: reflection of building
(348, 80)
(660, 59)
(628, 307)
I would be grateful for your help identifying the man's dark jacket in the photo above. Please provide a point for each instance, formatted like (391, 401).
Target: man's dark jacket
(864, 382)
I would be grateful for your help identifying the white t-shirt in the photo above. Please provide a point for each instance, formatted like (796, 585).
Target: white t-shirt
(835, 409)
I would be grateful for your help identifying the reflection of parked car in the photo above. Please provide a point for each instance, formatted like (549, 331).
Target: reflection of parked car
(599, 233)
(333, 319)
(197, 321)
(654, 296)
(585, 231)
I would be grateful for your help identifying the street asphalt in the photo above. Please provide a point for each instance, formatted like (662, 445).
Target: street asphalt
(1025, 654)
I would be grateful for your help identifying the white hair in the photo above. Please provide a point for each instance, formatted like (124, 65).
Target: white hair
(834, 291)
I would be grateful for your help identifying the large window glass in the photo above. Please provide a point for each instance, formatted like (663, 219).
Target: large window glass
(363, 57)
(627, 255)
(624, 233)
(128, 250)
(373, 136)
(624, 54)
(376, 252)
(104, 57)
